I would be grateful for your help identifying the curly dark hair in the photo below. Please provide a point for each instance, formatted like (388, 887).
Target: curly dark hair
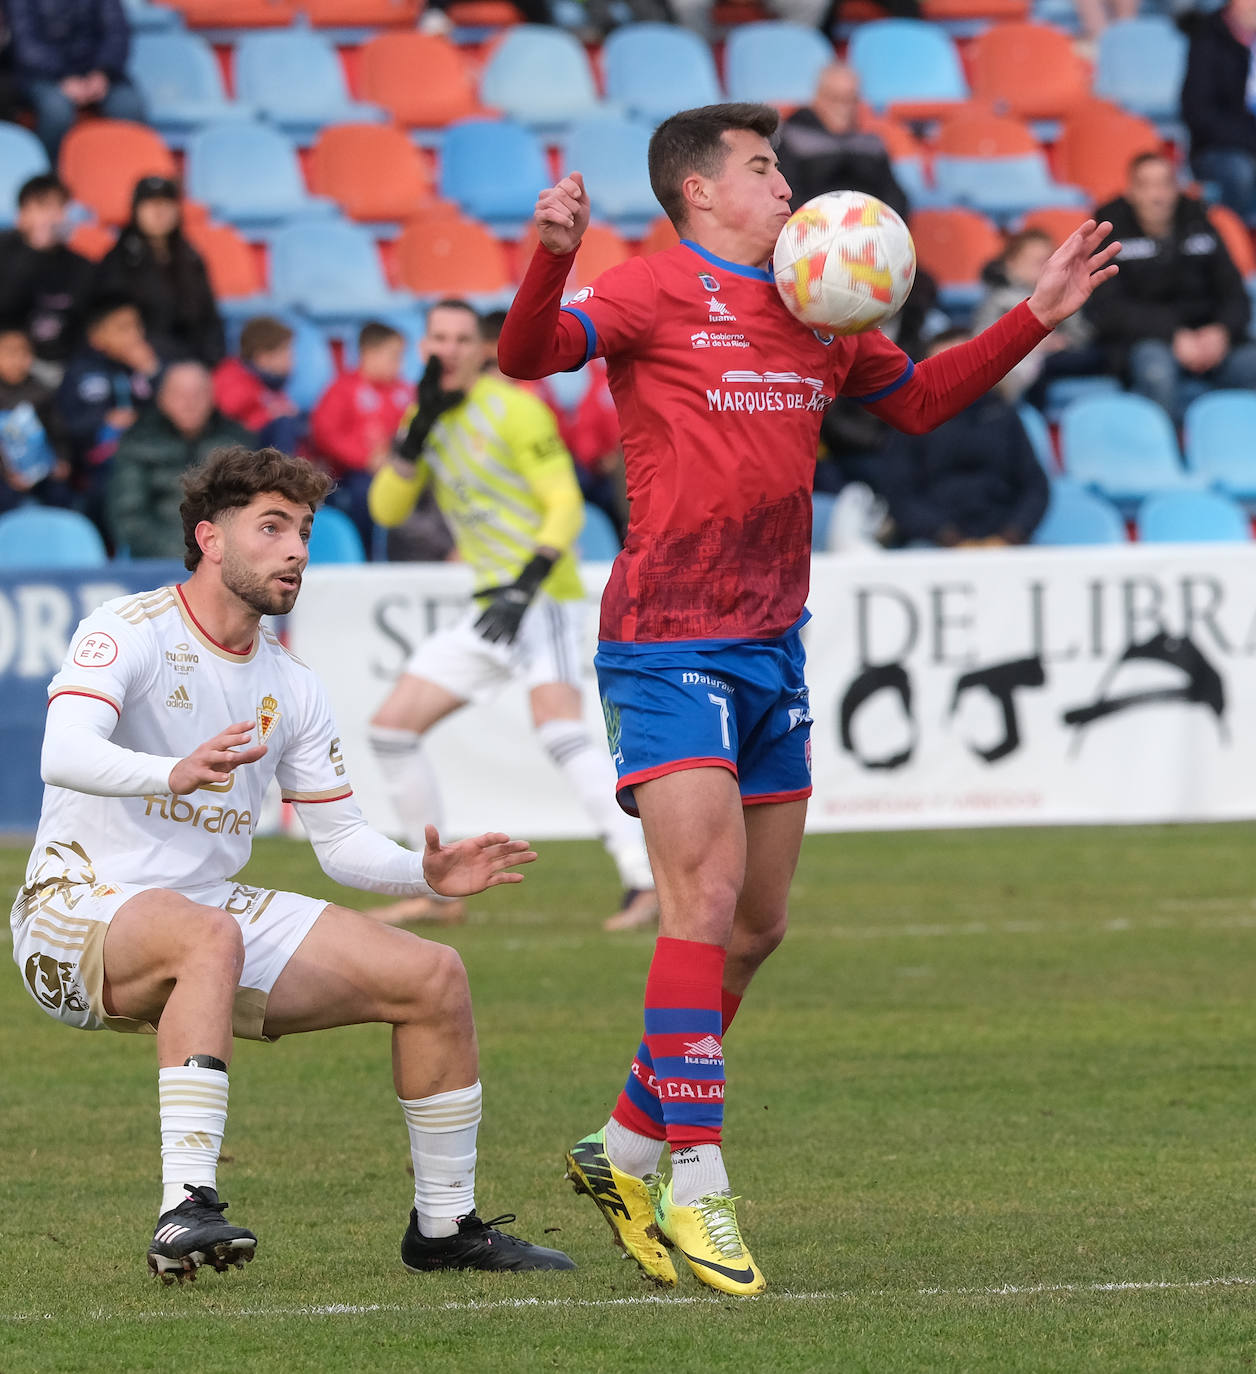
(231, 477)
(693, 141)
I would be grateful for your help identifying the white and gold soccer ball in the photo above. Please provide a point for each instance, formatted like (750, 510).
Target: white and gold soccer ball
(844, 262)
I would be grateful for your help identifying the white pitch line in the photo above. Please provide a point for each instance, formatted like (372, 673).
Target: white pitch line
(1005, 1290)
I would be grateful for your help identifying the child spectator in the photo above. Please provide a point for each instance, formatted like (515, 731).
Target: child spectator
(33, 464)
(43, 284)
(250, 389)
(354, 422)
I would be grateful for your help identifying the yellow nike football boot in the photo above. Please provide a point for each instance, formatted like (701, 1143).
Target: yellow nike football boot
(708, 1236)
(627, 1203)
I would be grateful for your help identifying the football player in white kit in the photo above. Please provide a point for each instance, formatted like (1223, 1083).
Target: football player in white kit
(169, 717)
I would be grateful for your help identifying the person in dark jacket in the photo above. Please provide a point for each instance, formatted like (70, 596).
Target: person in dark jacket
(822, 148)
(33, 459)
(70, 55)
(1177, 309)
(43, 284)
(972, 481)
(146, 483)
(1215, 103)
(154, 264)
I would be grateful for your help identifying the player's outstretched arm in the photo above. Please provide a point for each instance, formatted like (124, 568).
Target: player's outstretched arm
(216, 759)
(1072, 272)
(462, 869)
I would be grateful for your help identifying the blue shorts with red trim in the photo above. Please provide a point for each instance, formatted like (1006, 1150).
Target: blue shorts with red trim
(736, 704)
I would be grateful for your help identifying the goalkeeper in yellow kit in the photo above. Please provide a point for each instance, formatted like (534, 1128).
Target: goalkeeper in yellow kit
(504, 482)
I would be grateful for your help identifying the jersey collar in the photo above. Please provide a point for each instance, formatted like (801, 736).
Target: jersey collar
(738, 269)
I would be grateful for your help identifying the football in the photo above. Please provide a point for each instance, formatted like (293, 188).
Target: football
(844, 262)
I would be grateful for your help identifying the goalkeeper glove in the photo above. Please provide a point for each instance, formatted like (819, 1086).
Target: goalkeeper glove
(432, 404)
(499, 621)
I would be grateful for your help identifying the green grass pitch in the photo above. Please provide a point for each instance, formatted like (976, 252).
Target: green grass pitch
(991, 1109)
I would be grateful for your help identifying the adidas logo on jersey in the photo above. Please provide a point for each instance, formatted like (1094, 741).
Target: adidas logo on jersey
(178, 700)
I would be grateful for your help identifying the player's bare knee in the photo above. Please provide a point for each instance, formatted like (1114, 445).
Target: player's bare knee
(437, 987)
(213, 938)
(765, 934)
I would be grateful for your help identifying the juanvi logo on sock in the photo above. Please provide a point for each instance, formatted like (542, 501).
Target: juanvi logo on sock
(708, 1050)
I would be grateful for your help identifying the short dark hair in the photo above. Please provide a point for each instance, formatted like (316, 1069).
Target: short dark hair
(37, 187)
(102, 306)
(692, 141)
(373, 333)
(1140, 160)
(491, 324)
(457, 303)
(261, 334)
(231, 477)
(1018, 240)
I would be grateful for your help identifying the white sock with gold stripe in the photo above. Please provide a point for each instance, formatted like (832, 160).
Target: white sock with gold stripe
(193, 1105)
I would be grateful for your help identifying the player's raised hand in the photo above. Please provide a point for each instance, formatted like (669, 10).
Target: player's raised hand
(562, 214)
(216, 759)
(1073, 271)
(462, 869)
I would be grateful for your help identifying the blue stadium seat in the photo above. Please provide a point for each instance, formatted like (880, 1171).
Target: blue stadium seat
(250, 175)
(1192, 517)
(1218, 432)
(775, 62)
(1124, 445)
(22, 156)
(334, 538)
(294, 78)
(1035, 425)
(598, 541)
(143, 17)
(410, 325)
(1140, 65)
(1077, 516)
(822, 507)
(181, 82)
(1063, 391)
(539, 77)
(495, 170)
(313, 363)
(612, 155)
(653, 70)
(1001, 187)
(43, 537)
(570, 388)
(331, 271)
(906, 60)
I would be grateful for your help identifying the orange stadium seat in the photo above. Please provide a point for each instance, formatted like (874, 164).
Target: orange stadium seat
(900, 142)
(483, 14)
(661, 234)
(974, 130)
(1233, 233)
(93, 241)
(102, 159)
(600, 249)
(388, 68)
(996, 11)
(954, 245)
(372, 171)
(235, 14)
(450, 255)
(1029, 70)
(232, 264)
(1096, 145)
(1057, 221)
(355, 14)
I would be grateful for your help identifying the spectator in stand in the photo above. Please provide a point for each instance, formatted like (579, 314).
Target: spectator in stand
(354, 422)
(1177, 310)
(68, 56)
(43, 284)
(33, 462)
(822, 147)
(973, 481)
(158, 268)
(250, 389)
(1218, 95)
(146, 482)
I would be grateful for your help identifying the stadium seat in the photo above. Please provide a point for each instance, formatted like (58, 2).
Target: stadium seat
(1028, 70)
(387, 67)
(1077, 516)
(822, 507)
(331, 271)
(774, 62)
(908, 156)
(1192, 517)
(953, 246)
(181, 83)
(1035, 426)
(1140, 66)
(143, 17)
(965, 18)
(451, 256)
(908, 67)
(22, 156)
(250, 174)
(1217, 436)
(598, 541)
(994, 164)
(1096, 144)
(91, 240)
(313, 363)
(612, 155)
(495, 170)
(102, 159)
(372, 171)
(1233, 233)
(362, 16)
(235, 274)
(295, 79)
(334, 538)
(1063, 391)
(224, 16)
(540, 77)
(1056, 221)
(661, 234)
(43, 537)
(601, 248)
(1122, 444)
(410, 324)
(653, 70)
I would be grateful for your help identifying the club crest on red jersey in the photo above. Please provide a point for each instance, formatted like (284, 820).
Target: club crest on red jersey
(708, 281)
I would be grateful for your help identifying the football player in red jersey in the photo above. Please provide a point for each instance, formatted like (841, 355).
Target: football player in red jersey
(720, 392)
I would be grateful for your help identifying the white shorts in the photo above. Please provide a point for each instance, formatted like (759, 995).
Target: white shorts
(547, 649)
(59, 944)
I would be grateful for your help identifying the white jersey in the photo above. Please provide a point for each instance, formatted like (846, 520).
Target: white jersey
(174, 688)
